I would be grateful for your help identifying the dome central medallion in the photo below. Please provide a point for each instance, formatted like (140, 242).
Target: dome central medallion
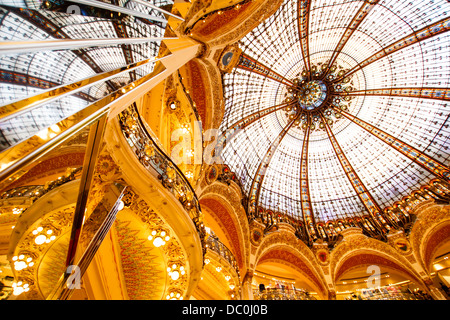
(312, 94)
(313, 100)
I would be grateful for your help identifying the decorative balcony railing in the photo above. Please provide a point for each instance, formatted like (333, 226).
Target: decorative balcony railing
(214, 244)
(151, 155)
(188, 96)
(389, 293)
(36, 191)
(282, 294)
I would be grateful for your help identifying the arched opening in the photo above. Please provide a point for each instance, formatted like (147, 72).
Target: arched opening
(219, 217)
(371, 276)
(282, 274)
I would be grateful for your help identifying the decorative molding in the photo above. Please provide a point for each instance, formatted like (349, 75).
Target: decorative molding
(232, 197)
(172, 250)
(282, 239)
(229, 58)
(354, 245)
(427, 218)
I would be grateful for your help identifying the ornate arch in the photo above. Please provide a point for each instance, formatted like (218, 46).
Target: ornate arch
(47, 167)
(225, 207)
(284, 246)
(428, 232)
(207, 23)
(365, 258)
(437, 237)
(359, 250)
(202, 84)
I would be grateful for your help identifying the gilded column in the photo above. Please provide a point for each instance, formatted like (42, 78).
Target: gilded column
(247, 290)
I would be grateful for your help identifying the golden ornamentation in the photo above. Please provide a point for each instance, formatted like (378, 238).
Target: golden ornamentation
(59, 222)
(231, 195)
(399, 241)
(322, 253)
(229, 58)
(427, 218)
(224, 273)
(355, 244)
(264, 10)
(256, 233)
(106, 172)
(173, 251)
(144, 276)
(279, 239)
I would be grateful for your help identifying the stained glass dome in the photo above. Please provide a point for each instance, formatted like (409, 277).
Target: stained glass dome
(343, 107)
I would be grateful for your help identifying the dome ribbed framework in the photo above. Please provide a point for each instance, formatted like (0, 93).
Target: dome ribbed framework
(363, 116)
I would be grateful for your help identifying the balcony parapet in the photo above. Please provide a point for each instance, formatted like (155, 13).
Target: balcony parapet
(150, 154)
(214, 244)
(282, 294)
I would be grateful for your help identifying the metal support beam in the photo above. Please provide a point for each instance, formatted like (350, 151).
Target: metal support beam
(90, 159)
(22, 79)
(121, 31)
(248, 63)
(353, 25)
(34, 148)
(424, 93)
(46, 25)
(305, 197)
(255, 188)
(364, 195)
(111, 7)
(18, 107)
(303, 31)
(63, 290)
(18, 47)
(147, 4)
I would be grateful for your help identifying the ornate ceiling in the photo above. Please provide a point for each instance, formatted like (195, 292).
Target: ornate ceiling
(342, 107)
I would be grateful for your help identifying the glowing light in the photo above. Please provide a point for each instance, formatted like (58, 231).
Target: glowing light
(17, 211)
(20, 265)
(18, 290)
(55, 128)
(40, 239)
(120, 206)
(43, 134)
(158, 242)
(175, 275)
